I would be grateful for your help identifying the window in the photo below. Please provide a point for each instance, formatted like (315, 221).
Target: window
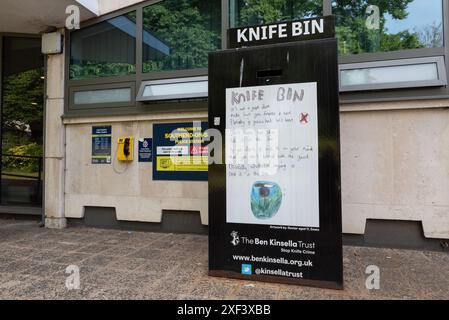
(402, 73)
(255, 12)
(102, 96)
(169, 89)
(382, 26)
(21, 125)
(179, 34)
(104, 49)
(162, 45)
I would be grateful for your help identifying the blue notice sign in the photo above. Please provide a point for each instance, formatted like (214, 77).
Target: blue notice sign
(146, 150)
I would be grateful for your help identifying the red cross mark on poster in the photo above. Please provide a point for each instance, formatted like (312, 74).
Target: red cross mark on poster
(304, 118)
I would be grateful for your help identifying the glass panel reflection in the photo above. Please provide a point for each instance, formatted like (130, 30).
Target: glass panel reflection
(179, 34)
(105, 49)
(22, 122)
(102, 96)
(179, 90)
(256, 12)
(391, 74)
(381, 26)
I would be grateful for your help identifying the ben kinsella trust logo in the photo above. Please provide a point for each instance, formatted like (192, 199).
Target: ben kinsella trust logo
(235, 238)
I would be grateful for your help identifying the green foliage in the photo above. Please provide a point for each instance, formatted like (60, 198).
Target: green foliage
(17, 164)
(22, 120)
(253, 12)
(23, 98)
(187, 28)
(192, 29)
(87, 69)
(400, 41)
(354, 36)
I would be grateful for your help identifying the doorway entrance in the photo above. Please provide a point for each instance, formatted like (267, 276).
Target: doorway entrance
(21, 123)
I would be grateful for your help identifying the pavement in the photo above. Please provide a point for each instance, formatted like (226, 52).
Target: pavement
(115, 264)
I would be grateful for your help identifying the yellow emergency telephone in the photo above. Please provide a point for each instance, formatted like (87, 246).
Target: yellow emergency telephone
(125, 149)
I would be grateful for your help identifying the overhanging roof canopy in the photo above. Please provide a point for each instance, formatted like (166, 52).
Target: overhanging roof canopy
(31, 16)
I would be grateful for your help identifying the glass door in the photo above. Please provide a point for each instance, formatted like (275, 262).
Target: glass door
(21, 125)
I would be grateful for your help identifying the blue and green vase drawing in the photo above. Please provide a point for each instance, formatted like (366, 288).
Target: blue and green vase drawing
(266, 199)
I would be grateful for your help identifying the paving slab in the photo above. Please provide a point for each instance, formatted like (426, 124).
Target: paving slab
(37, 263)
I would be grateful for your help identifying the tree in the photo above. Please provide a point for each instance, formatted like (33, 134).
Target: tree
(254, 12)
(23, 100)
(355, 36)
(431, 36)
(22, 117)
(191, 29)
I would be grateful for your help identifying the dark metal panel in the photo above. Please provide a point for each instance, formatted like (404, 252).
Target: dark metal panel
(174, 74)
(391, 55)
(44, 139)
(1, 105)
(398, 234)
(66, 53)
(28, 55)
(394, 95)
(446, 37)
(102, 80)
(310, 61)
(173, 221)
(169, 107)
(32, 211)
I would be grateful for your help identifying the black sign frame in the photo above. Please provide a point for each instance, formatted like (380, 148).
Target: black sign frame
(282, 32)
(297, 62)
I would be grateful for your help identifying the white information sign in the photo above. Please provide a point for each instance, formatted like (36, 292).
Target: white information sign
(272, 155)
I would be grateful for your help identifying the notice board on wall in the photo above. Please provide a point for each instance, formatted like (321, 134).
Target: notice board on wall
(275, 202)
(180, 151)
(101, 144)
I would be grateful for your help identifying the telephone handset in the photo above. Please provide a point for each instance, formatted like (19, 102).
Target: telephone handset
(125, 149)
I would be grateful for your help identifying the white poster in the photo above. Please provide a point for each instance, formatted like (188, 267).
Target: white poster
(272, 155)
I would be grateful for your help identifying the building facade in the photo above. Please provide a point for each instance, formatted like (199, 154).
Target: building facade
(394, 102)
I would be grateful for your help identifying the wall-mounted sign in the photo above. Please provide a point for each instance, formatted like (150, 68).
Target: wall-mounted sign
(101, 144)
(145, 150)
(180, 151)
(275, 204)
(307, 29)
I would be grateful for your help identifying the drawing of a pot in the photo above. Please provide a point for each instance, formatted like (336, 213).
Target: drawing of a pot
(266, 199)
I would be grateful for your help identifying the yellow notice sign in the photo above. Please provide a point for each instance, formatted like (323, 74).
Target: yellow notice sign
(186, 163)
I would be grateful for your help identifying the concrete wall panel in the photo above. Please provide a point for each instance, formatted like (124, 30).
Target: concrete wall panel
(128, 187)
(395, 166)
